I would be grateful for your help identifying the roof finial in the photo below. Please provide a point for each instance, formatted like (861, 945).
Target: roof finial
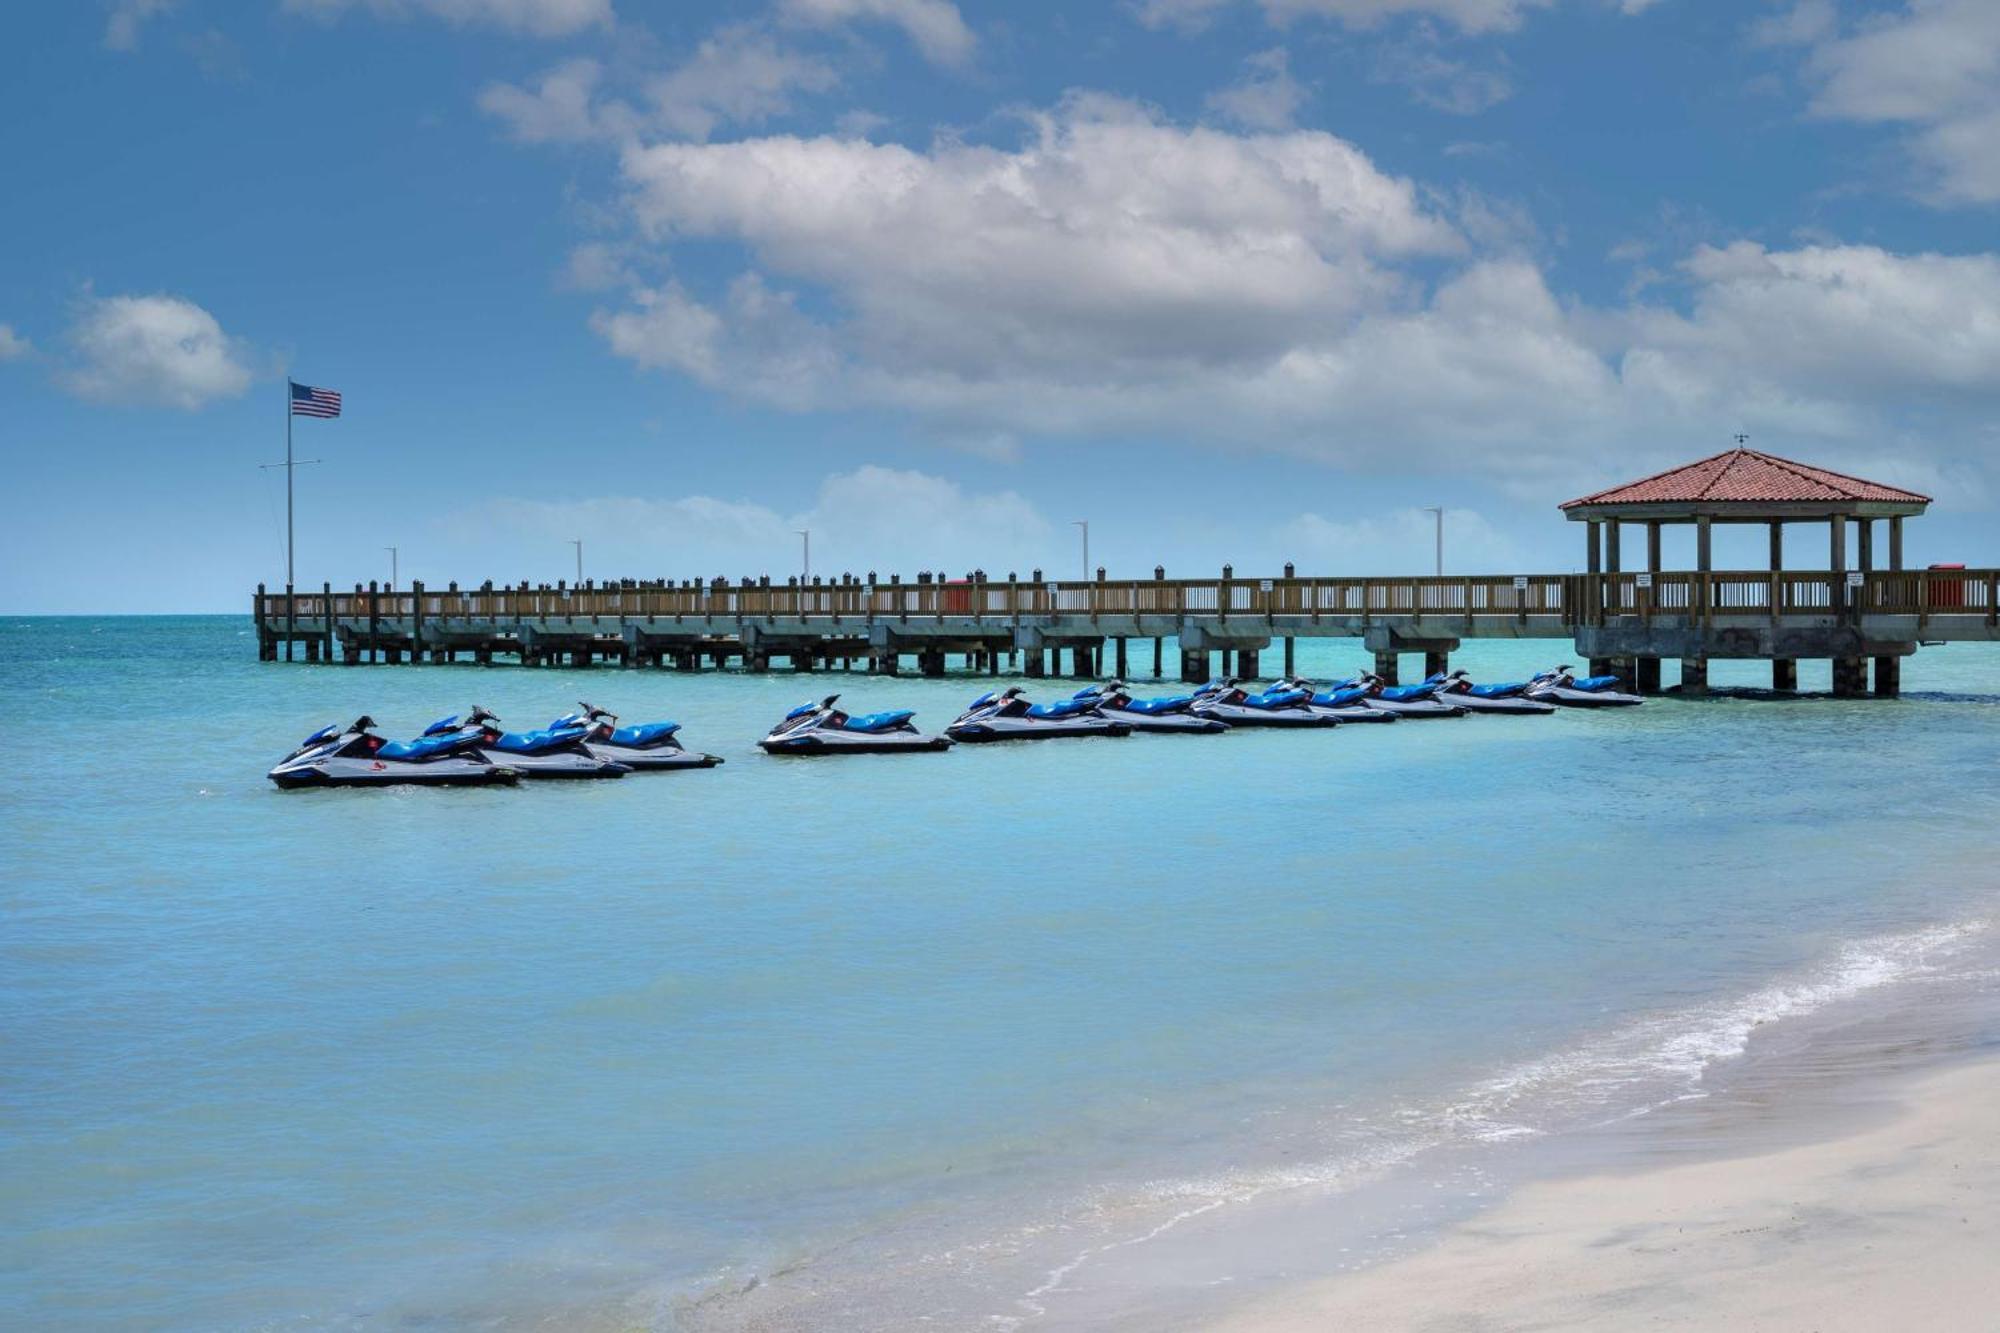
(1741, 439)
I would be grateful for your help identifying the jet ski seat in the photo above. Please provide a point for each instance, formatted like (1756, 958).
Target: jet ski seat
(1594, 683)
(1168, 705)
(1498, 691)
(1284, 700)
(1060, 708)
(532, 742)
(872, 723)
(421, 748)
(645, 733)
(1340, 698)
(1409, 693)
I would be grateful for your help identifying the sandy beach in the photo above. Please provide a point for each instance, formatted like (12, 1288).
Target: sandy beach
(1893, 1226)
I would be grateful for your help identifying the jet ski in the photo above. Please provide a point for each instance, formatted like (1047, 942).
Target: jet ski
(1348, 704)
(1008, 716)
(1561, 686)
(650, 746)
(354, 756)
(1175, 713)
(1511, 697)
(1411, 701)
(558, 752)
(1227, 701)
(822, 728)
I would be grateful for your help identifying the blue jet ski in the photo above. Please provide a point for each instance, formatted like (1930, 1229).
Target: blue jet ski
(1342, 704)
(1410, 701)
(1508, 697)
(1173, 714)
(1008, 716)
(558, 752)
(821, 728)
(1227, 701)
(354, 756)
(649, 746)
(1561, 687)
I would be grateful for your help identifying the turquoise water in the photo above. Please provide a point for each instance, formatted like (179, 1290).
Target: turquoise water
(863, 1040)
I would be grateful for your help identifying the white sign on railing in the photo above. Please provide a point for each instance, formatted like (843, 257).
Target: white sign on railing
(1263, 585)
(1642, 580)
(1520, 582)
(1855, 578)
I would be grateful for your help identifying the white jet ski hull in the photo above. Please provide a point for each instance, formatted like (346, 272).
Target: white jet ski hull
(1415, 708)
(1241, 715)
(1032, 729)
(1187, 724)
(561, 764)
(354, 771)
(1569, 698)
(655, 759)
(1518, 704)
(855, 742)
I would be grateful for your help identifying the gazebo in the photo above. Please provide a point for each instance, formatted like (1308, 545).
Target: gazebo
(1746, 486)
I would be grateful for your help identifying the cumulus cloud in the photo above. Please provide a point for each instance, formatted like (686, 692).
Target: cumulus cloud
(1933, 67)
(1470, 16)
(1115, 274)
(153, 350)
(536, 18)
(859, 519)
(1437, 80)
(936, 26)
(1267, 97)
(737, 75)
(12, 344)
(128, 20)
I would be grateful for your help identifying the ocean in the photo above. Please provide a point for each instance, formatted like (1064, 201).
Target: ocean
(998, 1038)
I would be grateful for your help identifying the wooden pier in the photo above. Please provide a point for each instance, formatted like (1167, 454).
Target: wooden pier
(1623, 622)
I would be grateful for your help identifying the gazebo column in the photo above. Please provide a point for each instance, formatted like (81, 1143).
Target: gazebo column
(1784, 670)
(1701, 544)
(1866, 528)
(1653, 546)
(1611, 547)
(1896, 542)
(1590, 549)
(1694, 670)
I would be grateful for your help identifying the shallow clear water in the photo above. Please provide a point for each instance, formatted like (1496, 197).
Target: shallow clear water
(863, 1040)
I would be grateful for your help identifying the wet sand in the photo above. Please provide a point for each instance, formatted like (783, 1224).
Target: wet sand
(1890, 1224)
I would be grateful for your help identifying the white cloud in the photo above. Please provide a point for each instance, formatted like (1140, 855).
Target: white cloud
(1116, 275)
(859, 519)
(153, 350)
(1267, 98)
(128, 19)
(1467, 15)
(12, 344)
(1933, 67)
(737, 75)
(1188, 16)
(936, 26)
(1435, 79)
(538, 18)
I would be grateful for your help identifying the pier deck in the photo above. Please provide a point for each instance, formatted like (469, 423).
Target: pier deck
(1626, 622)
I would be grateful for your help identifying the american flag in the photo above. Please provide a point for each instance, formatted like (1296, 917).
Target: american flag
(310, 402)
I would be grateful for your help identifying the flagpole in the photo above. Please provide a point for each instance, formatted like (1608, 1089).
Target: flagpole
(289, 469)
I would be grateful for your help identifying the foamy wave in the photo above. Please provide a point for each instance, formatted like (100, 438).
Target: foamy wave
(1674, 1050)
(1669, 1053)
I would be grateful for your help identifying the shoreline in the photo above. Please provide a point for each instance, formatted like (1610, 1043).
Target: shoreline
(1856, 1187)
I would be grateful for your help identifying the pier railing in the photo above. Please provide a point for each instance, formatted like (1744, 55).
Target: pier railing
(1572, 599)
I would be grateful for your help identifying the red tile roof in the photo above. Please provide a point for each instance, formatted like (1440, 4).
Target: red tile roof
(1745, 476)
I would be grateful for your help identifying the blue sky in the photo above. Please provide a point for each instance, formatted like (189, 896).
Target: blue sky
(1234, 280)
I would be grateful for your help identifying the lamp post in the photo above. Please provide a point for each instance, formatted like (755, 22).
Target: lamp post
(1438, 512)
(577, 542)
(805, 556)
(1084, 524)
(392, 564)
